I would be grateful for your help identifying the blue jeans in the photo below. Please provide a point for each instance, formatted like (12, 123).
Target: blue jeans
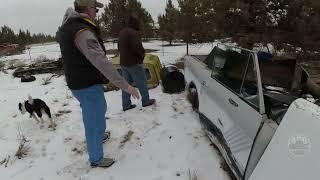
(94, 107)
(135, 74)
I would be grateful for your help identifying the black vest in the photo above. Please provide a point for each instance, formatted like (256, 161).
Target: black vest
(79, 72)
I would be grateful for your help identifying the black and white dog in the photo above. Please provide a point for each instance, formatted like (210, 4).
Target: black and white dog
(36, 106)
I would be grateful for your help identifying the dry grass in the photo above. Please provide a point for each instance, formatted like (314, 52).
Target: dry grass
(24, 147)
(5, 161)
(41, 58)
(47, 80)
(23, 150)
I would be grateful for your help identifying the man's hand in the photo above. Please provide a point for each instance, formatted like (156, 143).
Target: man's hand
(134, 93)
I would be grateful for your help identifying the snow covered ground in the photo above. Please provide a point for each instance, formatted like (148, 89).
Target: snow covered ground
(167, 141)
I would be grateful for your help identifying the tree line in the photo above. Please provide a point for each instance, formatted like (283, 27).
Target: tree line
(7, 35)
(283, 23)
(287, 24)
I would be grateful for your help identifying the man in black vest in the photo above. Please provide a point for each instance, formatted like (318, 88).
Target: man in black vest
(84, 62)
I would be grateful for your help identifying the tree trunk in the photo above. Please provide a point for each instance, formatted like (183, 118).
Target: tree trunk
(187, 48)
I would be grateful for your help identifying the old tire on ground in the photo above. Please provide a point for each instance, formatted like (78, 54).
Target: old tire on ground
(27, 78)
(172, 79)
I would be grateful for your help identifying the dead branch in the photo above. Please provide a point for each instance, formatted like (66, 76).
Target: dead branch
(47, 80)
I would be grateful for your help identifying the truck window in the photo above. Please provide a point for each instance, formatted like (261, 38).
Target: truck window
(229, 70)
(235, 70)
(218, 54)
(249, 87)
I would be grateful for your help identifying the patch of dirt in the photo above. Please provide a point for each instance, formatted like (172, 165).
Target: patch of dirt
(62, 112)
(126, 138)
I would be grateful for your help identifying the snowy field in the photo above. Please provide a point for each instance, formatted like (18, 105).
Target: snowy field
(167, 141)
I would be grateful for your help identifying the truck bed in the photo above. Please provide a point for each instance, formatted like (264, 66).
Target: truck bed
(200, 57)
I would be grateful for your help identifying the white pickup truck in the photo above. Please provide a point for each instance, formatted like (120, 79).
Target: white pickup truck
(261, 130)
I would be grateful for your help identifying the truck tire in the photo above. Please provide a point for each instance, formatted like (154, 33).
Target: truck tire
(27, 78)
(193, 97)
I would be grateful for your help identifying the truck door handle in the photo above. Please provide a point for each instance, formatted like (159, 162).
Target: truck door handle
(204, 83)
(233, 103)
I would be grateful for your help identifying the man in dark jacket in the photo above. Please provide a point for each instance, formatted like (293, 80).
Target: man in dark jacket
(131, 61)
(84, 60)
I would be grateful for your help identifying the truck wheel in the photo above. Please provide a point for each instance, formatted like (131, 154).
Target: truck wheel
(193, 97)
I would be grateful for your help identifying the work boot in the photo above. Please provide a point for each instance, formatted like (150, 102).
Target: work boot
(130, 107)
(149, 103)
(104, 163)
(106, 136)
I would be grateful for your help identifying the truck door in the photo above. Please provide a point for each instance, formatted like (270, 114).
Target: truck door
(232, 101)
(293, 152)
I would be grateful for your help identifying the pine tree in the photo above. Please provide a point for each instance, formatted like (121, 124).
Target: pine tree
(116, 13)
(7, 35)
(167, 23)
(205, 14)
(22, 37)
(293, 24)
(187, 23)
(29, 37)
(113, 18)
(147, 24)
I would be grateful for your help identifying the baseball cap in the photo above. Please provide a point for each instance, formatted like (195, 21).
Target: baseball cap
(85, 3)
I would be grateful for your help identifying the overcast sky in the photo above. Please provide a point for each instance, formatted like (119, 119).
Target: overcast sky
(44, 16)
